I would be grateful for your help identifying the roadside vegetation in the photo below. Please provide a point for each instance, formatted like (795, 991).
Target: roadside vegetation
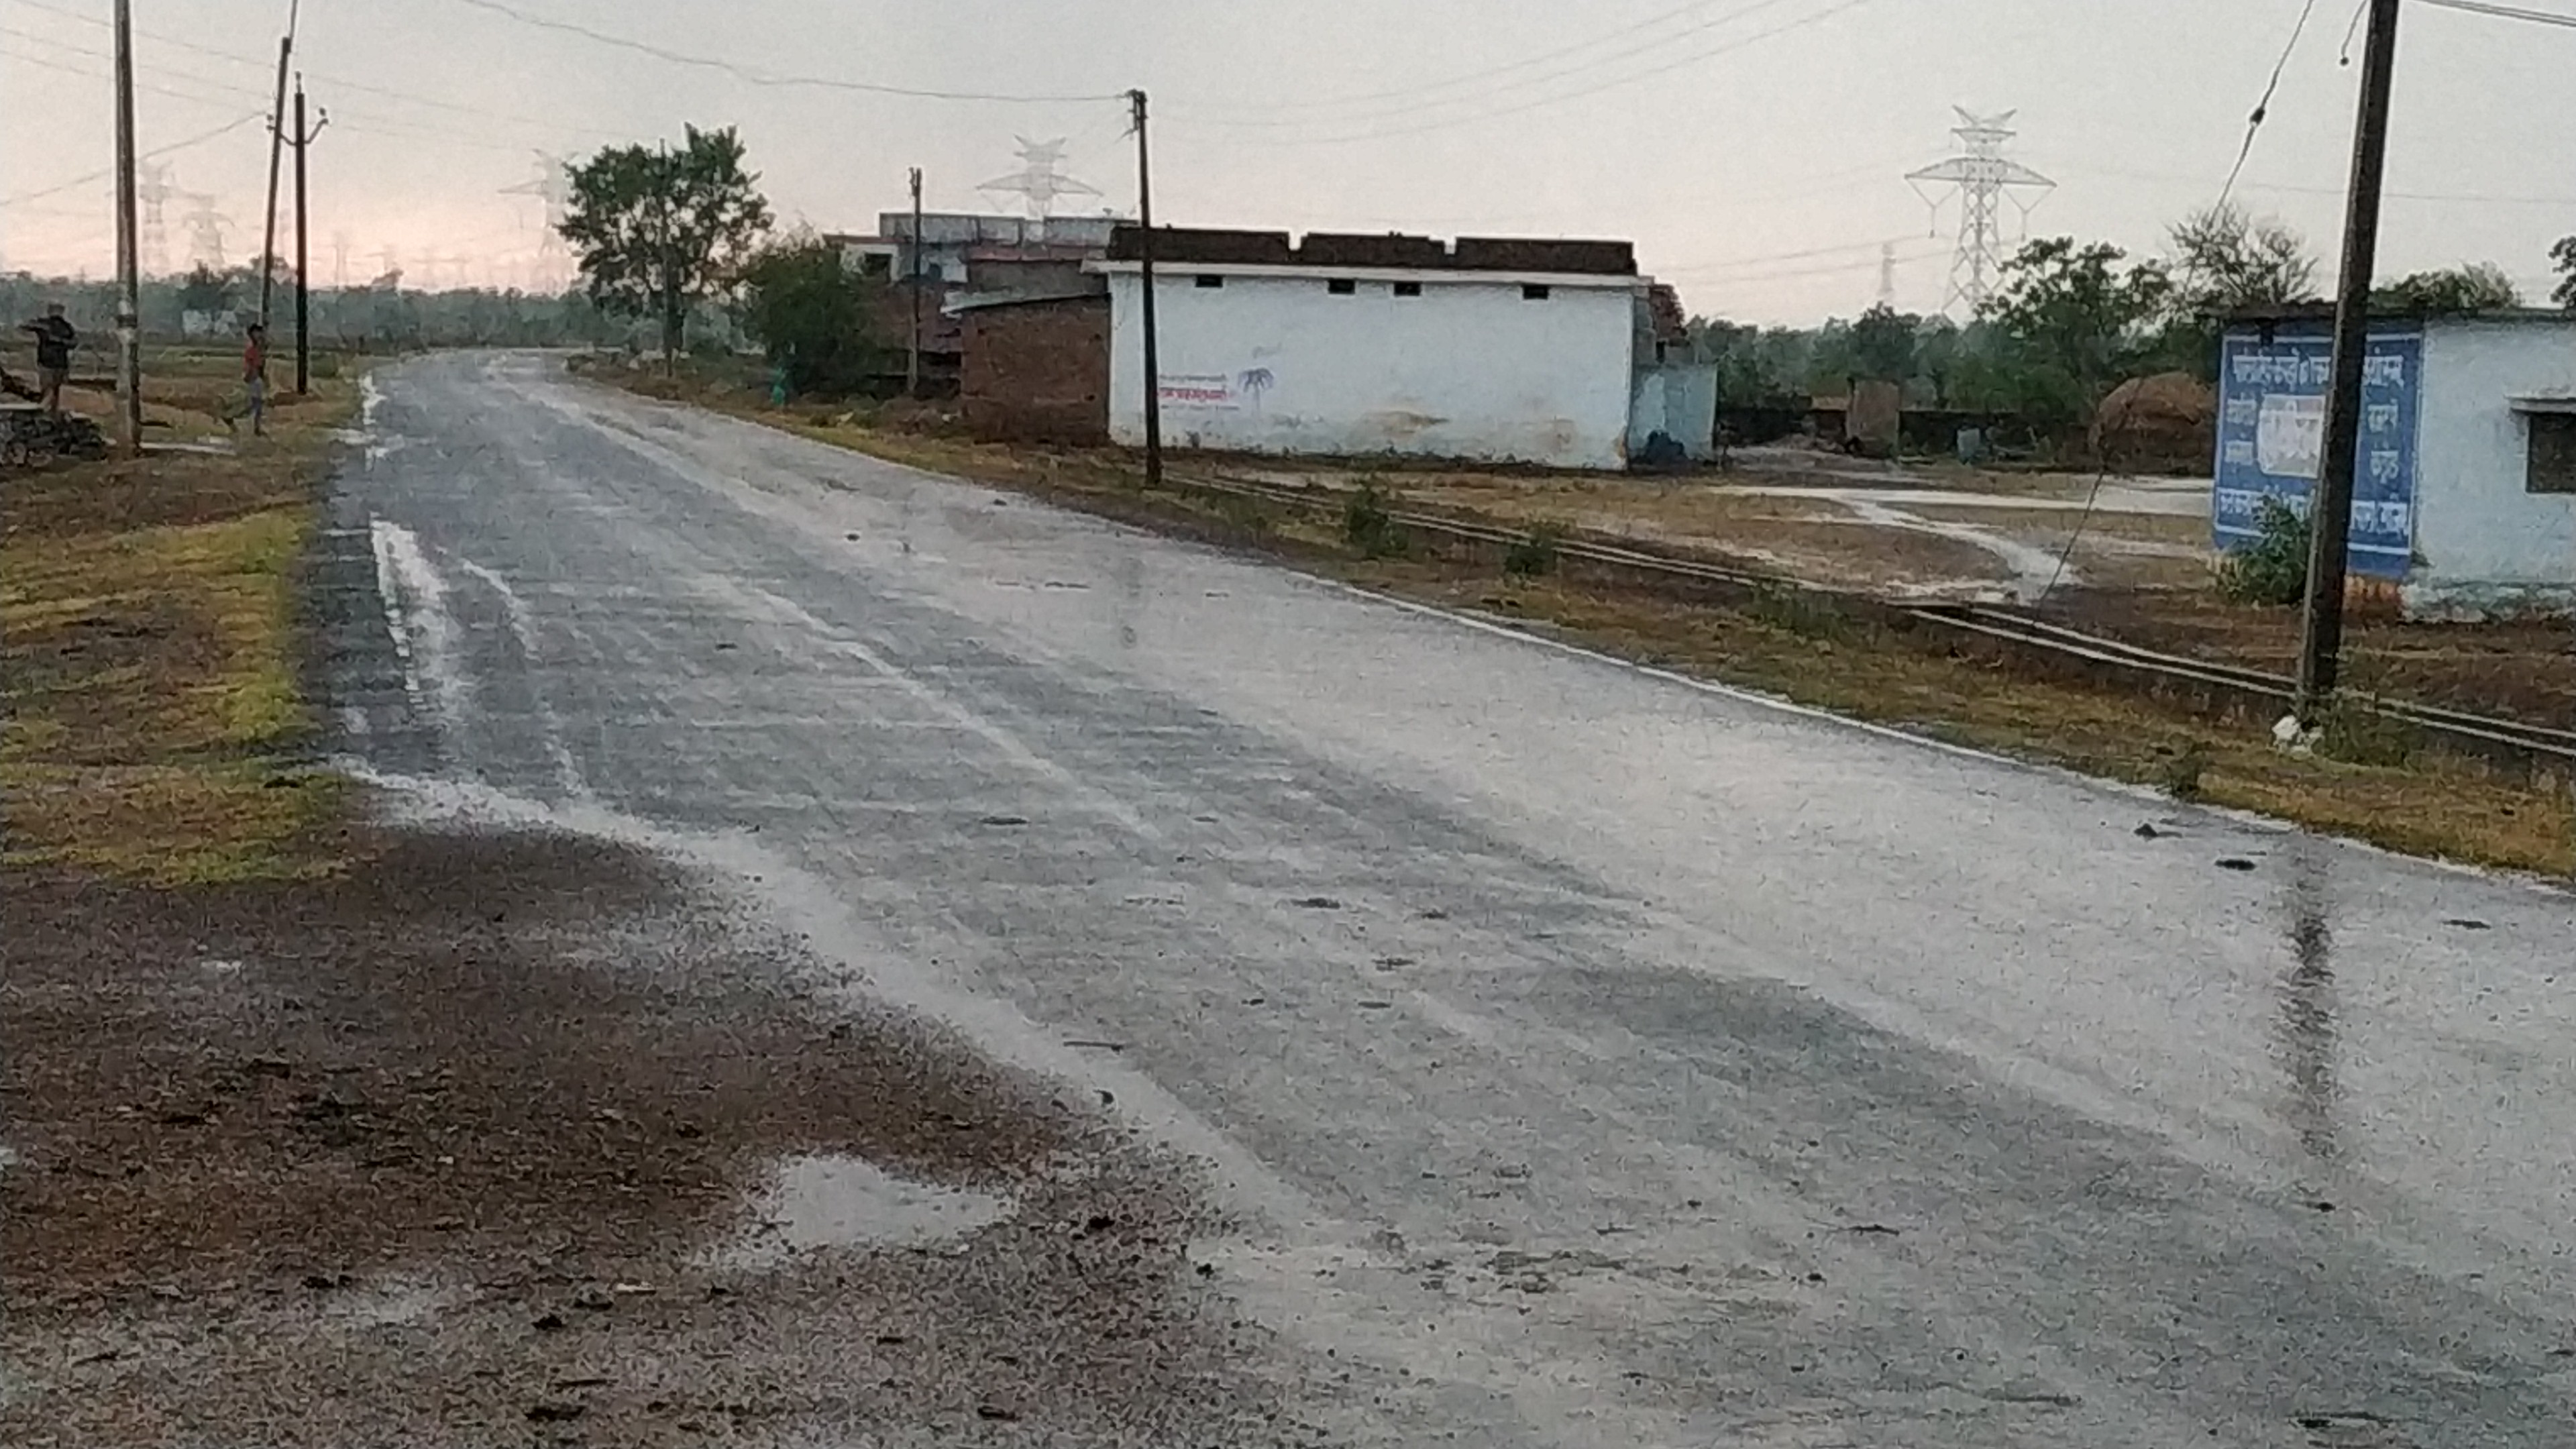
(148, 612)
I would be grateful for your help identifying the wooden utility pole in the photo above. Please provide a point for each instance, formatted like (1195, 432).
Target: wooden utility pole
(2330, 510)
(303, 249)
(276, 157)
(912, 368)
(129, 266)
(670, 288)
(1145, 280)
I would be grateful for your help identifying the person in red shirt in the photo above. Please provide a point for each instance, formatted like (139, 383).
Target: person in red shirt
(255, 379)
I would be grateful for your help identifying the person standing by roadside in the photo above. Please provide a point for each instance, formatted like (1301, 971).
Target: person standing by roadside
(55, 339)
(255, 379)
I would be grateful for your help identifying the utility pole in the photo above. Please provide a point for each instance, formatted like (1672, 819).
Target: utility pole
(1145, 279)
(129, 266)
(2330, 508)
(912, 368)
(670, 285)
(276, 156)
(303, 249)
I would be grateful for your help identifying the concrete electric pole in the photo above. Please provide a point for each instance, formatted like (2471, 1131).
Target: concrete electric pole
(303, 248)
(276, 156)
(2330, 509)
(912, 364)
(1145, 280)
(129, 263)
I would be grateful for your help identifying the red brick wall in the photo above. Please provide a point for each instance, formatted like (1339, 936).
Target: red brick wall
(1038, 372)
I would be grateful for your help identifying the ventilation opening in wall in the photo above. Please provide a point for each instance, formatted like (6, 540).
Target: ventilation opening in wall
(1341, 286)
(1209, 282)
(2553, 453)
(1533, 292)
(1408, 289)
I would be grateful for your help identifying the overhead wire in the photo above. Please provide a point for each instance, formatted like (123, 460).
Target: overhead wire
(1630, 78)
(2263, 107)
(1419, 101)
(1491, 72)
(2506, 12)
(158, 151)
(750, 75)
(267, 66)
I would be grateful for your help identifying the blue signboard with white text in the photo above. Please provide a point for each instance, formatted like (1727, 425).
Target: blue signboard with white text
(2271, 435)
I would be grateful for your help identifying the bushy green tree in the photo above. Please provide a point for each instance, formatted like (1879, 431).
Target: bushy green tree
(2075, 319)
(2476, 287)
(658, 230)
(813, 316)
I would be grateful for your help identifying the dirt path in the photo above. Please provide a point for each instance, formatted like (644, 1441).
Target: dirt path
(506, 1135)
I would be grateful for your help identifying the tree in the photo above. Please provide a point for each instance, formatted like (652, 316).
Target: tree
(812, 314)
(206, 291)
(2563, 256)
(658, 230)
(2224, 260)
(1883, 344)
(2477, 287)
(2075, 321)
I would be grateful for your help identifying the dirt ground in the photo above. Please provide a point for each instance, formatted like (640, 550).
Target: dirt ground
(2520, 670)
(470, 1146)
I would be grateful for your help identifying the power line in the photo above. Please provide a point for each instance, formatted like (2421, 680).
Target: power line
(2263, 107)
(750, 76)
(1470, 77)
(104, 173)
(2506, 12)
(1420, 102)
(1870, 246)
(264, 67)
(1628, 79)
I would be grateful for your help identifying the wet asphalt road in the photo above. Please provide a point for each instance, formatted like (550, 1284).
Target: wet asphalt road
(1594, 1059)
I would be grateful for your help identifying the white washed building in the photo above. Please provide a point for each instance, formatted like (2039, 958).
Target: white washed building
(1503, 351)
(2465, 490)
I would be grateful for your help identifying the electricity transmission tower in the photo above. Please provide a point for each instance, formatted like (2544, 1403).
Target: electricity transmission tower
(1984, 180)
(552, 184)
(153, 190)
(205, 232)
(1040, 182)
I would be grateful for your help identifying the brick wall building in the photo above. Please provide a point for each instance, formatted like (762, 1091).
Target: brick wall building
(1036, 370)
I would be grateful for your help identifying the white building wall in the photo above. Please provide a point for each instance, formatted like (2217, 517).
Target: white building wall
(2486, 544)
(1468, 369)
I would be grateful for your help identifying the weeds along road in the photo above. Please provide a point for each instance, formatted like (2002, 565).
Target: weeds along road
(1585, 1057)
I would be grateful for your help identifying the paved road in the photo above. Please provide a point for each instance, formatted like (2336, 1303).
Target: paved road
(1592, 1058)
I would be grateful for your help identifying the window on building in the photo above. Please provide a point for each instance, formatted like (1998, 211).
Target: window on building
(1533, 292)
(1341, 286)
(1209, 281)
(2553, 453)
(1408, 289)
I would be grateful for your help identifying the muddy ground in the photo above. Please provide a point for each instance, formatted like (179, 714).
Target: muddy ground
(492, 1141)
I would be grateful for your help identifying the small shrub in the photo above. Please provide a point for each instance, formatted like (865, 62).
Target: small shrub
(2183, 770)
(1796, 610)
(2273, 569)
(1534, 556)
(1244, 513)
(1369, 527)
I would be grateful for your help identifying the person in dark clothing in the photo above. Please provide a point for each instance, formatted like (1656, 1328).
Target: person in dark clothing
(54, 342)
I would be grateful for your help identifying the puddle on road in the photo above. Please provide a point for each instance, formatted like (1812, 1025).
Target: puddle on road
(815, 1203)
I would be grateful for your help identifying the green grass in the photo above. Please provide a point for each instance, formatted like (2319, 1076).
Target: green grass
(156, 724)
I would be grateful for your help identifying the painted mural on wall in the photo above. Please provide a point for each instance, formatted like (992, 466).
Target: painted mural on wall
(2271, 440)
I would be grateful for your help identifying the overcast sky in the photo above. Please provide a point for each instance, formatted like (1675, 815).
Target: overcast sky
(1754, 149)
